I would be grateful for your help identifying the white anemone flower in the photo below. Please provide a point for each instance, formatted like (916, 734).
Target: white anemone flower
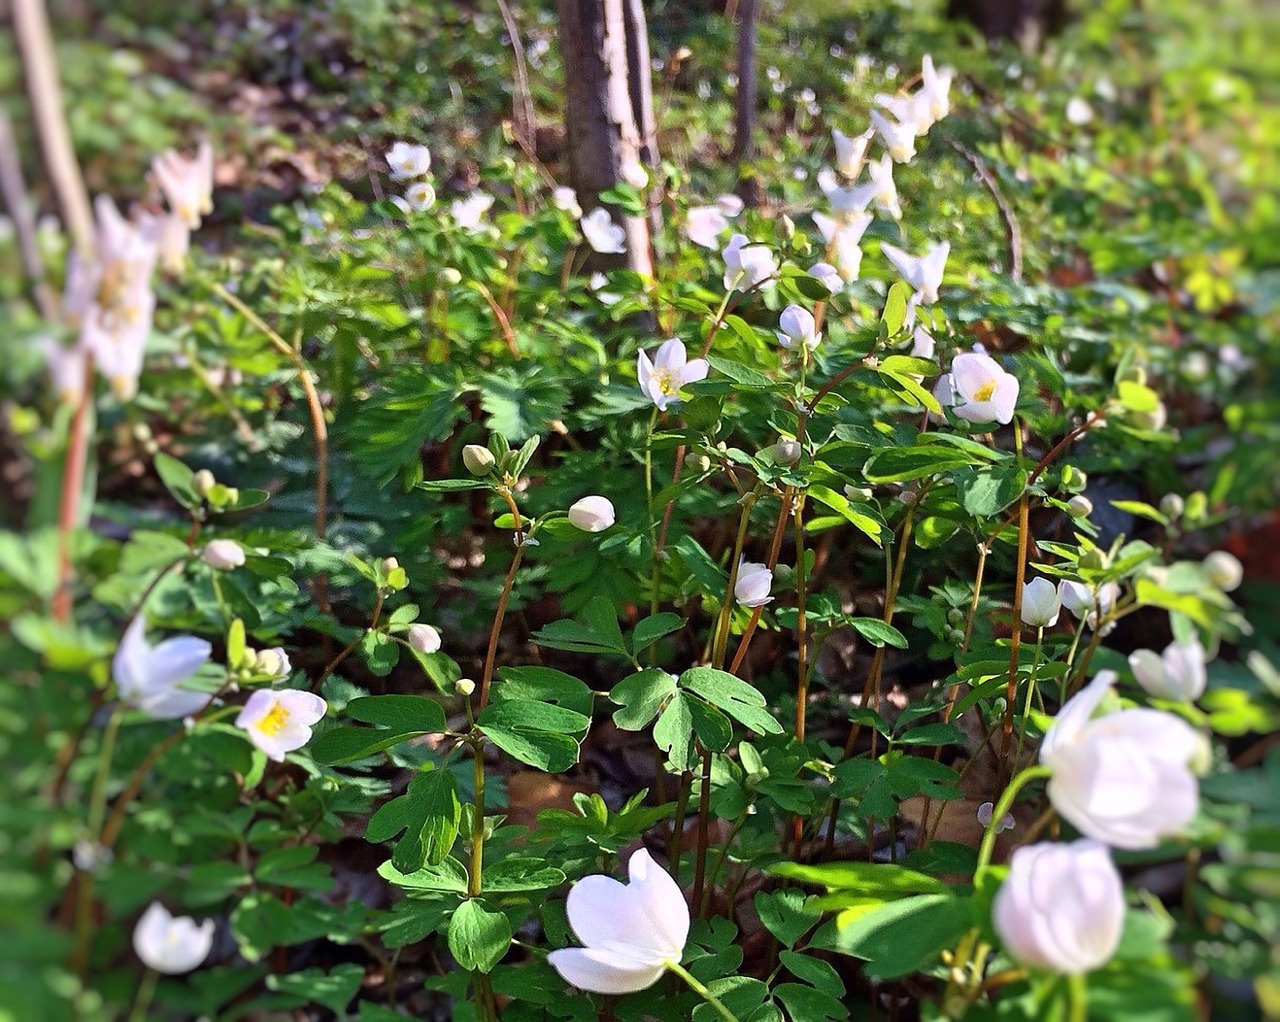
(935, 88)
(468, 212)
(592, 514)
(602, 234)
(171, 944)
(670, 369)
(751, 587)
(408, 161)
(1084, 605)
(705, 224)
(1123, 778)
(899, 137)
(828, 275)
(851, 152)
(187, 183)
(797, 327)
(1177, 674)
(424, 638)
(420, 196)
(747, 264)
(629, 931)
(924, 273)
(566, 199)
(984, 391)
(278, 722)
(1041, 603)
(884, 191)
(149, 677)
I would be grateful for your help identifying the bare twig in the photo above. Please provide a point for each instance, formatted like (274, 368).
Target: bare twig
(1013, 236)
(14, 190)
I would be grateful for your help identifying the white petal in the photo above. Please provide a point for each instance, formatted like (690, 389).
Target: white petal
(603, 972)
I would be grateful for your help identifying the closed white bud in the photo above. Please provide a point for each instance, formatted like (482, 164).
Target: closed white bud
(273, 662)
(785, 452)
(479, 460)
(751, 589)
(223, 554)
(858, 494)
(450, 276)
(592, 514)
(1172, 505)
(1041, 603)
(1224, 570)
(202, 482)
(1079, 506)
(389, 564)
(424, 638)
(464, 686)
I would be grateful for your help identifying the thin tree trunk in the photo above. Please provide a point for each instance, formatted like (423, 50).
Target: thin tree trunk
(640, 86)
(744, 118)
(600, 122)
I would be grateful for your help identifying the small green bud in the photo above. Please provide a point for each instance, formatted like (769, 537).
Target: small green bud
(479, 460)
(1197, 506)
(955, 616)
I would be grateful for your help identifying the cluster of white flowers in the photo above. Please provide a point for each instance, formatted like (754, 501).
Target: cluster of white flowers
(411, 164)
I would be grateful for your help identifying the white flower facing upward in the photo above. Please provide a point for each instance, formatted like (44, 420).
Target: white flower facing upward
(171, 944)
(408, 161)
(670, 369)
(223, 554)
(187, 184)
(1041, 603)
(629, 931)
(148, 677)
(899, 137)
(751, 587)
(1061, 907)
(1123, 778)
(278, 722)
(981, 389)
(851, 153)
(592, 514)
(797, 327)
(566, 199)
(1177, 674)
(602, 234)
(747, 264)
(705, 224)
(468, 212)
(924, 273)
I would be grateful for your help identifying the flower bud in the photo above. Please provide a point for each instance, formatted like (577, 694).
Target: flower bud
(1224, 570)
(479, 460)
(223, 554)
(785, 452)
(464, 686)
(1079, 506)
(1041, 603)
(450, 276)
(1197, 505)
(1172, 505)
(389, 564)
(273, 662)
(699, 462)
(1177, 674)
(424, 638)
(592, 514)
(751, 588)
(202, 482)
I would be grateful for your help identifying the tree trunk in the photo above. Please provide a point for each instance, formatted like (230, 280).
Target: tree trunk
(1027, 22)
(744, 114)
(600, 115)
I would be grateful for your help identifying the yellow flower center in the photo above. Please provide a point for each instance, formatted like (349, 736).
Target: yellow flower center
(984, 392)
(667, 382)
(275, 720)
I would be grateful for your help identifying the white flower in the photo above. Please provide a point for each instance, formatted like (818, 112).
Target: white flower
(171, 236)
(1079, 112)
(566, 199)
(924, 273)
(983, 391)
(408, 161)
(592, 514)
(634, 174)
(171, 944)
(884, 191)
(420, 196)
(1061, 907)
(598, 283)
(1123, 778)
(851, 152)
(829, 276)
(899, 138)
(273, 662)
(1177, 674)
(1079, 599)
(751, 588)
(149, 677)
(987, 810)
(848, 256)
(1041, 603)
(911, 112)
(187, 183)
(1224, 570)
(922, 343)
(746, 265)
(844, 200)
(602, 234)
(730, 204)
(849, 228)
(798, 327)
(66, 369)
(662, 378)
(705, 224)
(935, 89)
(630, 931)
(468, 212)
(278, 722)
(424, 638)
(223, 554)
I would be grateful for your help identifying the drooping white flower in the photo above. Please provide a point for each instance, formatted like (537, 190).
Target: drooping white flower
(1041, 603)
(845, 200)
(1080, 600)
(149, 677)
(171, 944)
(847, 229)
(983, 390)
(922, 343)
(669, 370)
(468, 212)
(1177, 674)
(629, 931)
(924, 273)
(1061, 907)
(424, 638)
(729, 204)
(935, 88)
(278, 722)
(796, 327)
(420, 196)
(705, 224)
(829, 276)
(566, 199)
(408, 161)
(884, 191)
(847, 254)
(187, 184)
(171, 236)
(602, 234)
(634, 174)
(908, 111)
(1123, 778)
(66, 369)
(851, 152)
(592, 514)
(751, 587)
(899, 137)
(223, 554)
(747, 264)
(1224, 570)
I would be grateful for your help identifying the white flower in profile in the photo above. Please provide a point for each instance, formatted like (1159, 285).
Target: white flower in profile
(408, 161)
(223, 554)
(899, 138)
(424, 638)
(171, 944)
(935, 89)
(629, 931)
(851, 152)
(911, 112)
(884, 191)
(729, 204)
(670, 369)
(747, 264)
(1079, 112)
(278, 722)
(1061, 907)
(420, 196)
(924, 273)
(592, 514)
(566, 199)
(149, 677)
(986, 812)
(273, 662)
(983, 390)
(848, 229)
(187, 183)
(751, 587)
(705, 224)
(634, 174)
(1123, 778)
(602, 234)
(796, 327)
(1177, 674)
(1041, 603)
(1224, 570)
(828, 275)
(845, 200)
(922, 343)
(847, 254)
(468, 212)
(1083, 604)
(66, 369)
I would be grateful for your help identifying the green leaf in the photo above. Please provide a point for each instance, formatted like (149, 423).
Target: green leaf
(872, 879)
(429, 812)
(177, 479)
(401, 718)
(804, 1002)
(334, 989)
(651, 629)
(147, 551)
(878, 632)
(734, 696)
(784, 914)
(521, 873)
(449, 485)
(543, 684)
(900, 464)
(814, 971)
(478, 937)
(450, 876)
(900, 937)
(381, 653)
(745, 378)
(988, 491)
(839, 503)
(596, 631)
(539, 734)
(931, 734)
(895, 307)
(640, 697)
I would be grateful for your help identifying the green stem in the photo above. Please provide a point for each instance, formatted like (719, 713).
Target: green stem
(701, 991)
(655, 567)
(98, 803)
(1031, 691)
(477, 823)
(1019, 781)
(719, 648)
(1078, 998)
(146, 992)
